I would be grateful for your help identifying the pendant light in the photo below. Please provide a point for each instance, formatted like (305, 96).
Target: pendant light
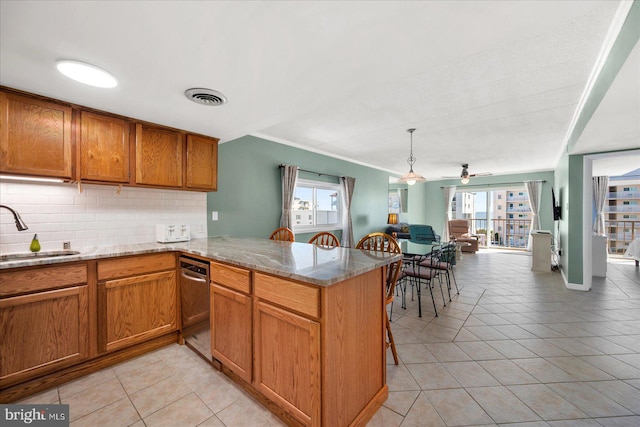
(411, 177)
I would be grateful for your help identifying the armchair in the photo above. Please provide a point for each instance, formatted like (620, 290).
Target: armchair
(459, 231)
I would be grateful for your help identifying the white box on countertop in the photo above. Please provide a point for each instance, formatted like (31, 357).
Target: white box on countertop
(169, 233)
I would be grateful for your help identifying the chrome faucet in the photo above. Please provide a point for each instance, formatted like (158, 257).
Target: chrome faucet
(20, 225)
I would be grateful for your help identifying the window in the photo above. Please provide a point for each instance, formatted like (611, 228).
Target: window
(317, 206)
(499, 196)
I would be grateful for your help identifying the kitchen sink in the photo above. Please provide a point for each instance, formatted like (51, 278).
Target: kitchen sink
(36, 255)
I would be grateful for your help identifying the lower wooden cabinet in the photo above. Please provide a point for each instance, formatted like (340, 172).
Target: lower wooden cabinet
(231, 331)
(140, 306)
(287, 361)
(42, 332)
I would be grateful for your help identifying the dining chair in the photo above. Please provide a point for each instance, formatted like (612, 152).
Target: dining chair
(422, 270)
(377, 243)
(284, 234)
(325, 239)
(443, 263)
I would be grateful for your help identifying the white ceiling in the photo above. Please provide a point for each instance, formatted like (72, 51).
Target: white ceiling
(491, 83)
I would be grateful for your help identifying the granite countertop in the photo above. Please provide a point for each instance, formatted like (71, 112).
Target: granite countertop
(299, 261)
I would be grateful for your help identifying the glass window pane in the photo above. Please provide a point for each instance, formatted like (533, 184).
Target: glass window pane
(302, 205)
(327, 204)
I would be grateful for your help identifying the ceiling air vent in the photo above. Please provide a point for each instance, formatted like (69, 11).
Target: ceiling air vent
(209, 97)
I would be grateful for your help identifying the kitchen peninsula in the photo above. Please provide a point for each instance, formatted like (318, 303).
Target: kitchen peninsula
(299, 326)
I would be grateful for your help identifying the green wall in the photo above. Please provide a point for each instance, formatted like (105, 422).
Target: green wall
(249, 196)
(435, 206)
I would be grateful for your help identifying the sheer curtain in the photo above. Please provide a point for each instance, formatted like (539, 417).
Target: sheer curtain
(348, 183)
(289, 178)
(534, 193)
(448, 192)
(600, 188)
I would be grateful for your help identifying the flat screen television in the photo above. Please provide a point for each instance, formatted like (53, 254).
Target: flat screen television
(557, 210)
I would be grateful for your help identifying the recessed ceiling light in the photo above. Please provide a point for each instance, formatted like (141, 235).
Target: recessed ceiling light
(86, 73)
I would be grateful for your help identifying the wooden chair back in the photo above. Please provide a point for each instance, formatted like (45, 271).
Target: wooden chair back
(379, 242)
(326, 239)
(284, 234)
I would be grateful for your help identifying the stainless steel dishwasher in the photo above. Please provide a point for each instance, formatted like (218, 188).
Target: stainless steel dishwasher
(194, 295)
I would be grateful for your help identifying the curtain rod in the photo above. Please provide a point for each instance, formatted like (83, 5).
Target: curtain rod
(314, 172)
(492, 185)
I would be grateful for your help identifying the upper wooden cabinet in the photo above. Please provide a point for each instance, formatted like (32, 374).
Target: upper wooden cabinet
(35, 137)
(104, 148)
(158, 156)
(202, 163)
(48, 138)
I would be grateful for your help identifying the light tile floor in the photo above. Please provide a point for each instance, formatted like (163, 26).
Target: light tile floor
(515, 348)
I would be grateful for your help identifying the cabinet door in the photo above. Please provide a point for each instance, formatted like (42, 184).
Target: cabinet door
(287, 361)
(42, 332)
(202, 163)
(231, 330)
(104, 148)
(158, 156)
(136, 309)
(35, 137)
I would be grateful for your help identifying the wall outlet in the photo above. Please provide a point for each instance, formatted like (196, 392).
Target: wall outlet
(214, 215)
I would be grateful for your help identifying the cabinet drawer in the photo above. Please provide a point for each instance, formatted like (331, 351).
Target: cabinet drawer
(233, 277)
(129, 266)
(298, 297)
(41, 278)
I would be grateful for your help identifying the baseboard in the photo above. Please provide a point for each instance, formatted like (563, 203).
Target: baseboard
(572, 286)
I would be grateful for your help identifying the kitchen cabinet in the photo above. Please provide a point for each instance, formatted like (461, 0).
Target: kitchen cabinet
(137, 299)
(45, 137)
(44, 321)
(317, 353)
(35, 137)
(159, 154)
(287, 361)
(231, 318)
(287, 345)
(104, 148)
(202, 163)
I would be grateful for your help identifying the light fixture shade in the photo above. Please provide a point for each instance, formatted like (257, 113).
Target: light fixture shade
(86, 73)
(392, 218)
(464, 175)
(411, 178)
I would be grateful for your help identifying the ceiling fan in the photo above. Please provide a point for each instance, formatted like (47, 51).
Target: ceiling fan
(465, 175)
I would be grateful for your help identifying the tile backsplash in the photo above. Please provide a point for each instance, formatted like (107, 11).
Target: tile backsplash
(99, 215)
